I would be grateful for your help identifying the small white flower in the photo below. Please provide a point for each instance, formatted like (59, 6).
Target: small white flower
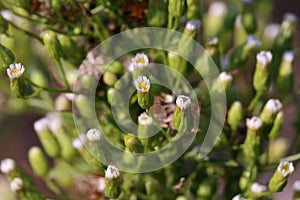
(93, 135)
(193, 25)
(253, 42)
(111, 172)
(16, 184)
(254, 123)
(238, 197)
(296, 185)
(183, 102)
(142, 84)
(258, 188)
(140, 60)
(217, 9)
(7, 165)
(273, 105)
(78, 143)
(40, 125)
(225, 77)
(288, 56)
(285, 168)
(144, 119)
(264, 57)
(15, 70)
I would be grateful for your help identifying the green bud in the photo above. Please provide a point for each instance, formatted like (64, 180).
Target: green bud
(47, 139)
(87, 81)
(182, 106)
(112, 182)
(133, 144)
(193, 9)
(207, 189)
(38, 161)
(235, 115)
(109, 78)
(278, 149)
(157, 13)
(71, 51)
(191, 29)
(268, 115)
(177, 118)
(261, 77)
(212, 49)
(248, 17)
(277, 125)
(222, 82)
(3, 24)
(52, 44)
(116, 67)
(214, 20)
(285, 79)
(279, 178)
(62, 103)
(110, 95)
(6, 57)
(175, 7)
(82, 103)
(175, 61)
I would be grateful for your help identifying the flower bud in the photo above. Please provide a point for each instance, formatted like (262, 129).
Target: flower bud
(270, 33)
(176, 7)
(277, 125)
(109, 78)
(82, 103)
(248, 16)
(212, 49)
(285, 78)
(93, 135)
(70, 50)
(279, 178)
(192, 27)
(87, 81)
(270, 110)
(222, 82)
(182, 104)
(248, 177)
(47, 139)
(257, 188)
(116, 67)
(112, 182)
(52, 44)
(157, 13)
(6, 57)
(278, 149)
(235, 115)
(207, 189)
(62, 103)
(261, 75)
(133, 144)
(142, 85)
(16, 184)
(214, 20)
(7, 165)
(38, 161)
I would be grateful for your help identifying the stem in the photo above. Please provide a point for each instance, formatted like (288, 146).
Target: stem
(254, 101)
(63, 74)
(292, 157)
(48, 89)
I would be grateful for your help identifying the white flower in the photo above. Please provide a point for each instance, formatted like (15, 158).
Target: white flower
(273, 105)
(15, 70)
(288, 56)
(16, 184)
(111, 172)
(144, 119)
(193, 25)
(225, 77)
(183, 102)
(296, 185)
(142, 84)
(253, 42)
(217, 9)
(264, 57)
(140, 60)
(258, 188)
(7, 165)
(93, 135)
(285, 168)
(40, 125)
(238, 197)
(254, 123)
(78, 143)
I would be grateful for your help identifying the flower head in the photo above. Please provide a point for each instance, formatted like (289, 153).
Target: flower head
(254, 123)
(16, 184)
(93, 135)
(40, 125)
(264, 57)
(7, 165)
(258, 188)
(273, 105)
(144, 119)
(288, 56)
(142, 84)
(15, 70)
(79, 142)
(225, 77)
(112, 172)
(285, 168)
(193, 25)
(183, 102)
(140, 60)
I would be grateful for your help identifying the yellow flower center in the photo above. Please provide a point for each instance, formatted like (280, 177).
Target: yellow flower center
(140, 60)
(14, 71)
(284, 168)
(143, 86)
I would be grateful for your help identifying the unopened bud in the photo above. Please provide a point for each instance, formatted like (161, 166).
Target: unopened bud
(38, 161)
(52, 44)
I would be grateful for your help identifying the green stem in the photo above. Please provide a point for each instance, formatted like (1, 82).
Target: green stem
(63, 74)
(291, 158)
(48, 89)
(254, 101)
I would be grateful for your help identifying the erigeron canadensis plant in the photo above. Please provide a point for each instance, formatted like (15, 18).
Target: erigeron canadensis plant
(47, 60)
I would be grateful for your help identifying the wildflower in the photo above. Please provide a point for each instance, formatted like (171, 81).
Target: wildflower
(183, 102)
(264, 58)
(140, 60)
(93, 135)
(254, 123)
(262, 72)
(192, 27)
(142, 84)
(112, 172)
(16, 184)
(7, 165)
(15, 70)
(112, 183)
(144, 119)
(258, 188)
(273, 105)
(226, 79)
(279, 178)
